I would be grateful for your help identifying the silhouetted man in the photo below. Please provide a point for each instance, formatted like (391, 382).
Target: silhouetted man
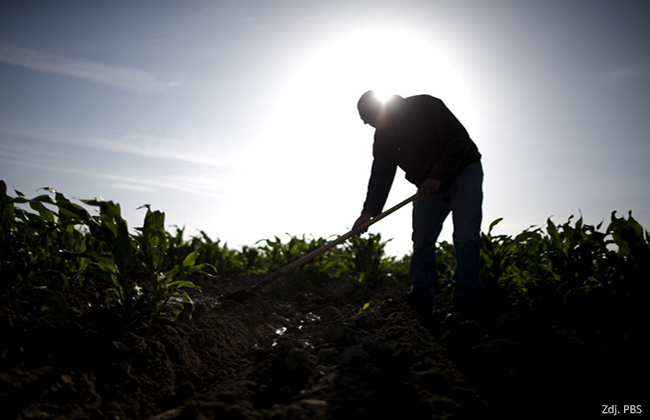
(421, 135)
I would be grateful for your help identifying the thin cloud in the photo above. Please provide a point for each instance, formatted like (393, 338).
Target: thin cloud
(176, 183)
(116, 76)
(132, 187)
(623, 74)
(22, 150)
(198, 149)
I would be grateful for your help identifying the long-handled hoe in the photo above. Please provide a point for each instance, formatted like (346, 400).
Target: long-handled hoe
(247, 293)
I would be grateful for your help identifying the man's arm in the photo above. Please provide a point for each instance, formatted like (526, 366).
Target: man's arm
(381, 180)
(365, 216)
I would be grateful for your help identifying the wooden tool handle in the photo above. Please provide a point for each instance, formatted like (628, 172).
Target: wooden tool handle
(323, 249)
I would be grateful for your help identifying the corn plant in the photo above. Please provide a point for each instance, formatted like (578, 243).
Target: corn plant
(626, 274)
(33, 240)
(123, 252)
(445, 267)
(152, 248)
(213, 252)
(52, 241)
(275, 254)
(18, 238)
(252, 260)
(367, 258)
(69, 242)
(177, 246)
(568, 265)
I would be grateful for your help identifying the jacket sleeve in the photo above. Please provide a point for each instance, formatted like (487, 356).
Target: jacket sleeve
(381, 180)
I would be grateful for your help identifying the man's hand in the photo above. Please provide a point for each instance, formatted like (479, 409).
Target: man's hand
(365, 216)
(429, 186)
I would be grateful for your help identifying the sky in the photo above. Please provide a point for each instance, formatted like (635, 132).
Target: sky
(239, 118)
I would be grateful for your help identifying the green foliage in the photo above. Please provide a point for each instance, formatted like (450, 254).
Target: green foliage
(58, 241)
(211, 252)
(32, 240)
(446, 264)
(361, 259)
(367, 258)
(567, 264)
(151, 248)
(275, 254)
(363, 308)
(67, 243)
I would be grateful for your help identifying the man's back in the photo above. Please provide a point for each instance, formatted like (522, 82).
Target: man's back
(424, 138)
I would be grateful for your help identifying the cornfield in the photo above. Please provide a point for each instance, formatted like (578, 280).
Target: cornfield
(104, 320)
(148, 270)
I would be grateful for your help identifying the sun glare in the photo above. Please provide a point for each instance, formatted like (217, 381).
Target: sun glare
(313, 136)
(386, 60)
(383, 95)
(318, 102)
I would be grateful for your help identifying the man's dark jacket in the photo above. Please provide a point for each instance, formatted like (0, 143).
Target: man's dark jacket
(420, 135)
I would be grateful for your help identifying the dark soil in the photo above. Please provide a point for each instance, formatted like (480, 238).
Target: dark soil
(300, 351)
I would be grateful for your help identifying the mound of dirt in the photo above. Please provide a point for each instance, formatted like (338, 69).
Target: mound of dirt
(297, 351)
(338, 364)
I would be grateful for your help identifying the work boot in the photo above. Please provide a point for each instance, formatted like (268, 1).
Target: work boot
(464, 310)
(421, 300)
(465, 324)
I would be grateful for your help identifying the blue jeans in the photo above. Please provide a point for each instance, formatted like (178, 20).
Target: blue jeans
(463, 198)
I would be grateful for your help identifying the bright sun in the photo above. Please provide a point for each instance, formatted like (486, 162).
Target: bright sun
(318, 103)
(312, 148)
(383, 95)
(388, 61)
